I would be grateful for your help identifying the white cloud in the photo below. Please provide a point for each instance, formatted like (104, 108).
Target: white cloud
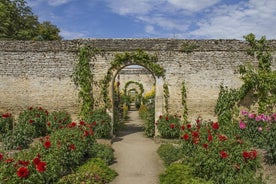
(234, 21)
(72, 35)
(58, 2)
(193, 5)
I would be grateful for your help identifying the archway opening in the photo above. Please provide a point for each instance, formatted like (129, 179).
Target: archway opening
(133, 90)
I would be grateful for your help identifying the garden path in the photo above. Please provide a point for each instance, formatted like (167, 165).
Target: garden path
(137, 161)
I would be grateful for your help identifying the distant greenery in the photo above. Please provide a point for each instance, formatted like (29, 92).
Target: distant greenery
(17, 22)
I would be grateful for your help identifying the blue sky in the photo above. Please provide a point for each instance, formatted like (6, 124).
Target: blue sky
(181, 19)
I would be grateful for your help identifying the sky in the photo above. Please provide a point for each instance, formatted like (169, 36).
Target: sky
(176, 19)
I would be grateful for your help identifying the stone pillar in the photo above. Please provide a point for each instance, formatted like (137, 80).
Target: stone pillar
(159, 97)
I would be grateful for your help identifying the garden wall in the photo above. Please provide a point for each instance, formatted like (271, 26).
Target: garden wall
(38, 73)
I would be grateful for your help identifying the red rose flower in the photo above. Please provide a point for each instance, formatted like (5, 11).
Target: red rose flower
(189, 126)
(72, 147)
(48, 124)
(167, 118)
(215, 125)
(172, 126)
(36, 160)
(1, 156)
(186, 137)
(22, 172)
(31, 121)
(41, 166)
(94, 123)
(73, 124)
(182, 127)
(47, 144)
(253, 154)
(23, 163)
(6, 115)
(160, 117)
(210, 137)
(223, 154)
(246, 155)
(85, 133)
(222, 137)
(205, 146)
(195, 134)
(82, 123)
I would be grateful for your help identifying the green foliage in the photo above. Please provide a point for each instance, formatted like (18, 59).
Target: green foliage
(101, 123)
(19, 138)
(260, 130)
(83, 78)
(147, 114)
(6, 123)
(216, 156)
(37, 117)
(103, 152)
(94, 171)
(57, 120)
(188, 48)
(19, 23)
(180, 174)
(184, 102)
(168, 126)
(124, 59)
(166, 96)
(169, 153)
(61, 152)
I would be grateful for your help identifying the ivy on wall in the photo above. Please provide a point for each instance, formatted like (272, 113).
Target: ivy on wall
(123, 59)
(184, 102)
(166, 95)
(83, 78)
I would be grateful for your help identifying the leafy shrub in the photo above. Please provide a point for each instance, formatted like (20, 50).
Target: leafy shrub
(93, 171)
(260, 130)
(60, 153)
(180, 174)
(19, 138)
(6, 123)
(217, 157)
(57, 120)
(143, 111)
(168, 126)
(37, 117)
(101, 123)
(169, 153)
(103, 152)
(149, 125)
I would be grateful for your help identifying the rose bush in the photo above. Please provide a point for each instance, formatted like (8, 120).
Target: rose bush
(260, 130)
(215, 156)
(168, 126)
(57, 120)
(6, 123)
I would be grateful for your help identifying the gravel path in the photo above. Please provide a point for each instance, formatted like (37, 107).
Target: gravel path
(137, 161)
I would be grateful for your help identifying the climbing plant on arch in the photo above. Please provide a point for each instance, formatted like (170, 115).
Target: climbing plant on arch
(129, 58)
(141, 87)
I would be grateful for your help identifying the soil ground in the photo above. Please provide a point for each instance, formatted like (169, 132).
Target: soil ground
(136, 155)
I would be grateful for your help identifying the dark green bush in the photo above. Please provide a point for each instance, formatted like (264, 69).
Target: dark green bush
(180, 174)
(37, 117)
(169, 153)
(19, 138)
(94, 171)
(101, 123)
(168, 126)
(6, 123)
(103, 152)
(57, 120)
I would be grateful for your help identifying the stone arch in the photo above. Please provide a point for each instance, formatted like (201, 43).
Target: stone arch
(141, 88)
(143, 59)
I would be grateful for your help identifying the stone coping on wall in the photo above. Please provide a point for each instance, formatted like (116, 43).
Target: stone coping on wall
(126, 45)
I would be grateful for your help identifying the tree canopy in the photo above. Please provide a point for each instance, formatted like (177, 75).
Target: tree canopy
(17, 22)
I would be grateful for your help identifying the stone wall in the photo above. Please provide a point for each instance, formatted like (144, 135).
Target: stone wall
(38, 73)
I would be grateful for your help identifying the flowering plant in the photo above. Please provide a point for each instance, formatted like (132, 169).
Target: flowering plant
(168, 126)
(37, 117)
(6, 123)
(57, 120)
(217, 157)
(260, 130)
(101, 123)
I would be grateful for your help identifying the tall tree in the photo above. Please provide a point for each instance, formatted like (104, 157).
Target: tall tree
(17, 22)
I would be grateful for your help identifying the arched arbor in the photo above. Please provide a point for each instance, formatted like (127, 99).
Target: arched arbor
(122, 60)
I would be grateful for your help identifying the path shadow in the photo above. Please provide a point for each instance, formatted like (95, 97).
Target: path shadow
(127, 130)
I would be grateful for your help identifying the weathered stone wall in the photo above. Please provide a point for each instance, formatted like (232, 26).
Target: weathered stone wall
(38, 73)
